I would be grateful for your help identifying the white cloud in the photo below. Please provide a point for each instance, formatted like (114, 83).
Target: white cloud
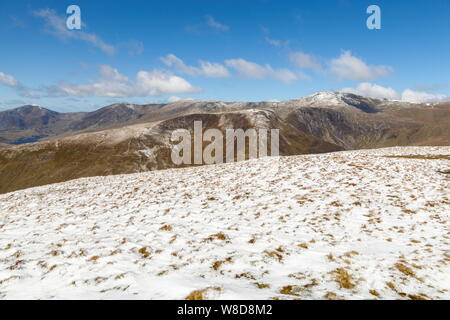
(348, 66)
(418, 96)
(173, 99)
(8, 80)
(215, 24)
(172, 60)
(376, 91)
(273, 42)
(56, 25)
(158, 82)
(255, 71)
(213, 70)
(283, 75)
(206, 69)
(305, 61)
(249, 69)
(109, 73)
(112, 84)
(373, 91)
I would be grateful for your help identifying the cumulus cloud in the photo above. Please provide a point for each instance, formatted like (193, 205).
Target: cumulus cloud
(255, 71)
(173, 99)
(205, 68)
(158, 82)
(376, 91)
(347, 66)
(112, 84)
(56, 25)
(8, 80)
(213, 70)
(249, 69)
(12, 82)
(418, 96)
(213, 23)
(305, 61)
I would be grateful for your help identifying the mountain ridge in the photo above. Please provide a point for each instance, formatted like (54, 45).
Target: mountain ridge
(126, 138)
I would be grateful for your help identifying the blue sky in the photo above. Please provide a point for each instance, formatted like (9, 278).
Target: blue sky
(247, 50)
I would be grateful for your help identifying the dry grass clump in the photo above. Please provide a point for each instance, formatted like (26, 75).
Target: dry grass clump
(166, 228)
(374, 293)
(274, 254)
(216, 265)
(196, 295)
(344, 279)
(245, 275)
(218, 236)
(291, 290)
(332, 296)
(144, 252)
(417, 297)
(262, 285)
(405, 270)
(200, 294)
(336, 204)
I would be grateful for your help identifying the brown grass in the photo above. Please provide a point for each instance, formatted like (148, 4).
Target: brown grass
(217, 236)
(290, 290)
(417, 297)
(144, 252)
(216, 265)
(344, 279)
(405, 270)
(166, 228)
(262, 285)
(200, 294)
(196, 295)
(274, 254)
(374, 293)
(332, 296)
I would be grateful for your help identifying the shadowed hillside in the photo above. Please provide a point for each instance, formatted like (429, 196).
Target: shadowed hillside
(138, 138)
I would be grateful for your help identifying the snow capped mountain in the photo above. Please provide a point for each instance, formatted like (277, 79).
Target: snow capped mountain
(367, 224)
(330, 98)
(127, 138)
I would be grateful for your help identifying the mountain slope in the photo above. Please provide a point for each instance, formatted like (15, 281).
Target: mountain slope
(30, 123)
(136, 148)
(26, 123)
(369, 224)
(138, 137)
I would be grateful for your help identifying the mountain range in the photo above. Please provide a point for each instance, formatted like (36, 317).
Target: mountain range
(39, 146)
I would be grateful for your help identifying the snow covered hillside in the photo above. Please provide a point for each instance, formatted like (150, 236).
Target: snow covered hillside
(347, 225)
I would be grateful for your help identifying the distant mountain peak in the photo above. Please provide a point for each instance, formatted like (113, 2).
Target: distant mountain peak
(32, 108)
